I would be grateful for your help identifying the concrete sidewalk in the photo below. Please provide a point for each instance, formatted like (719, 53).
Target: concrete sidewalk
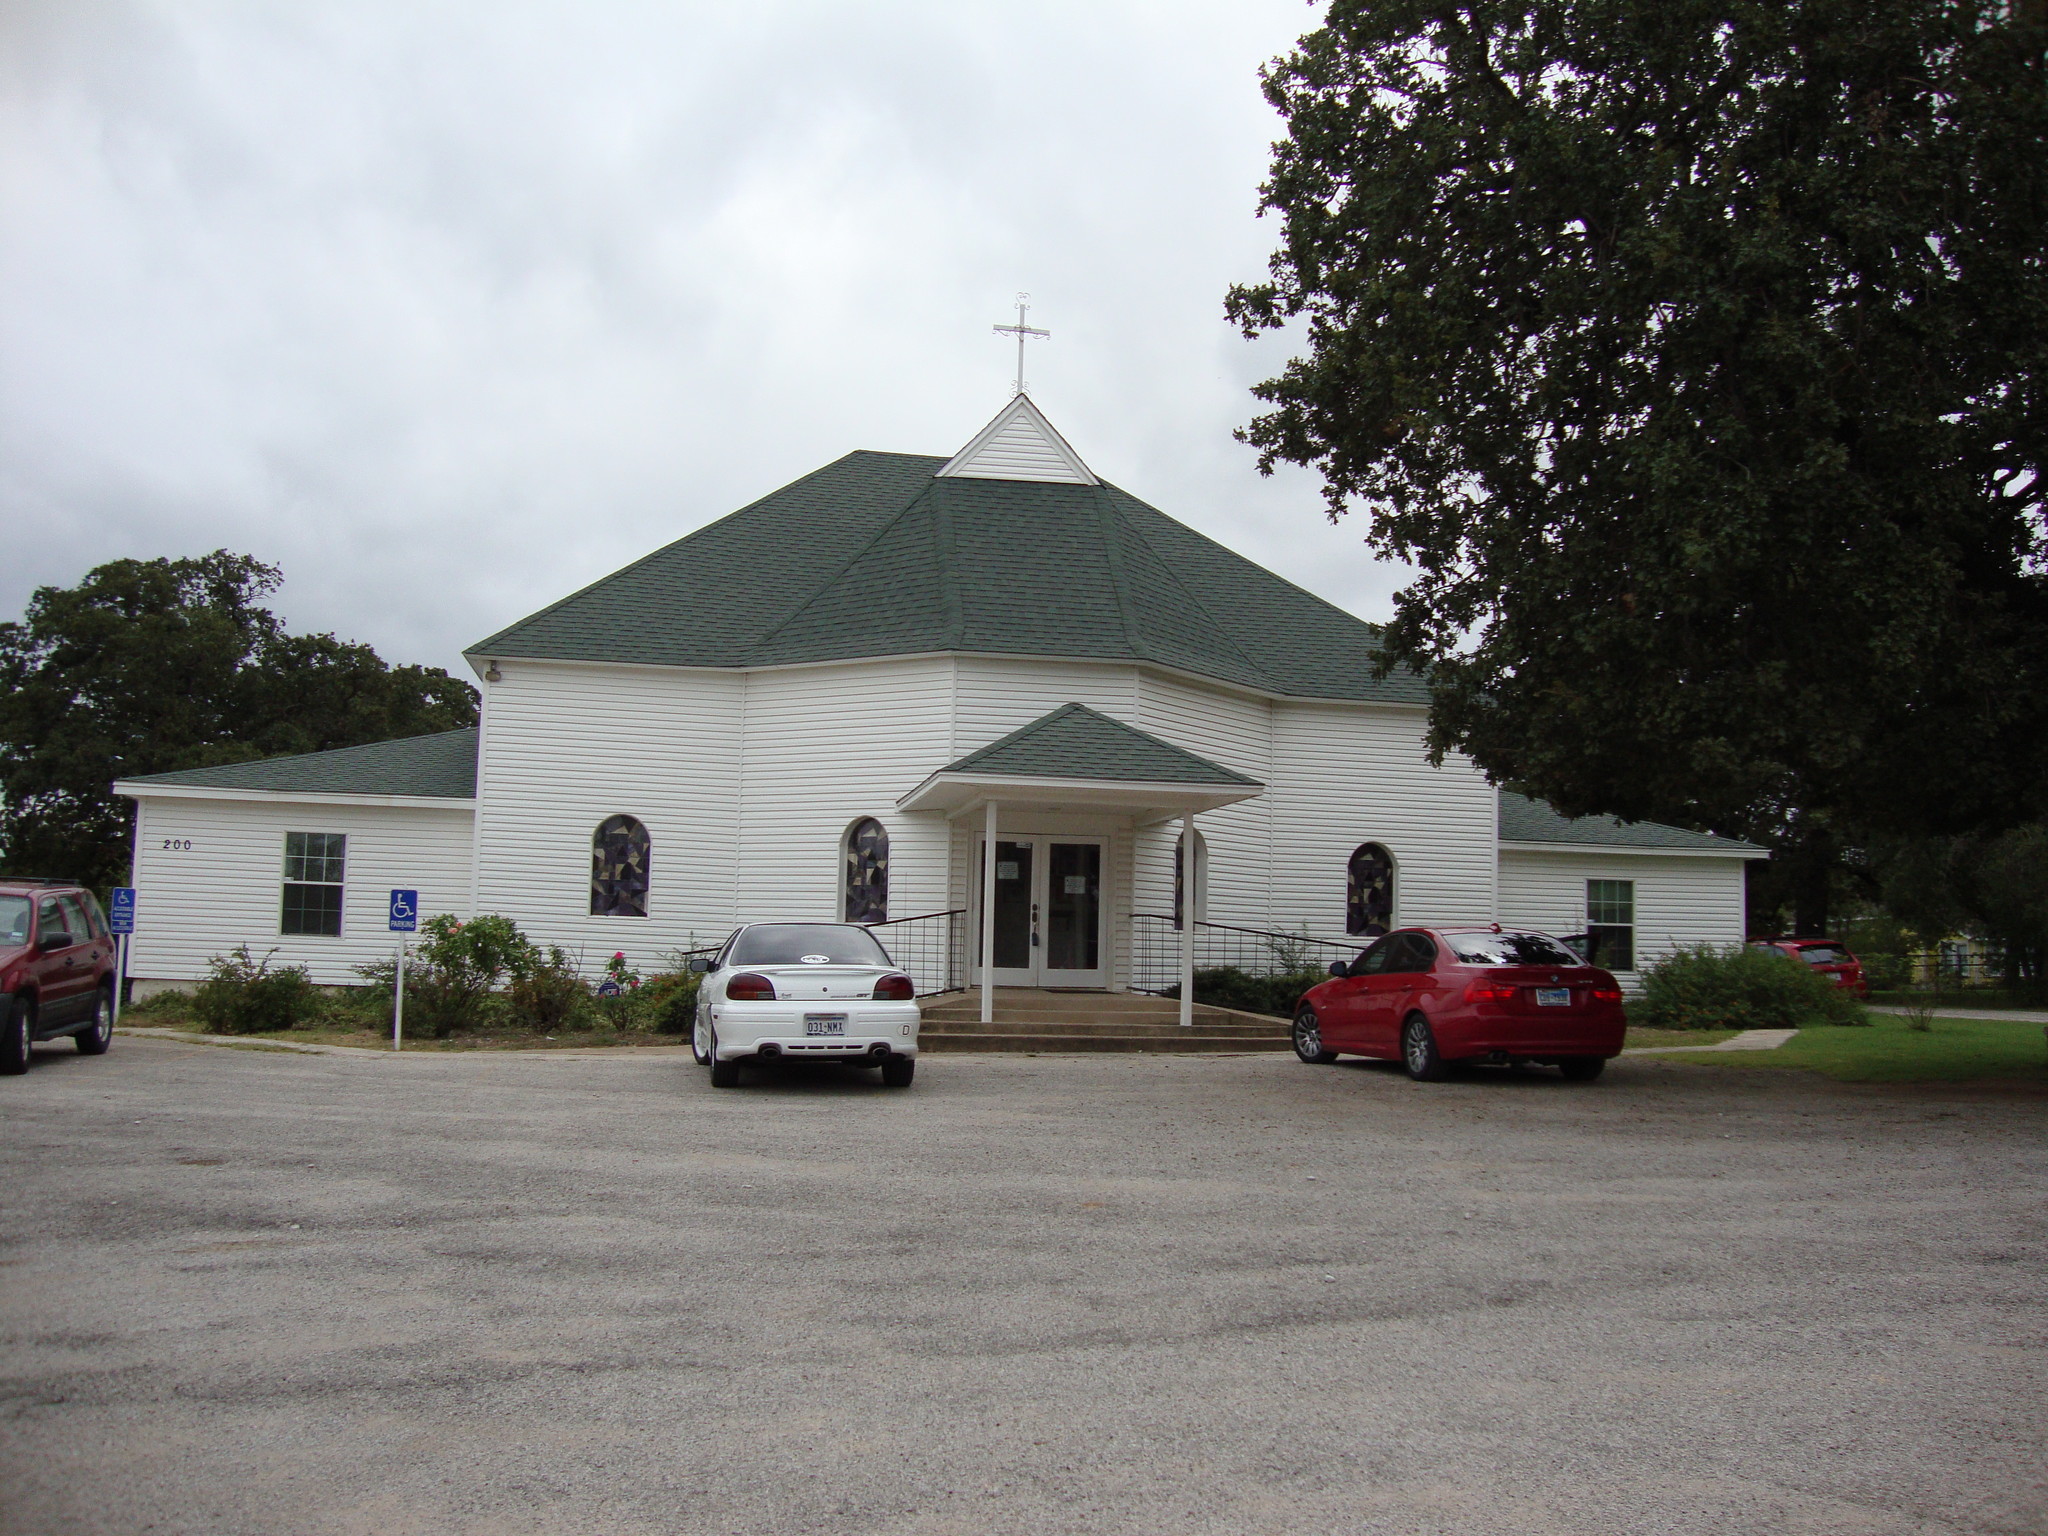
(1748, 1040)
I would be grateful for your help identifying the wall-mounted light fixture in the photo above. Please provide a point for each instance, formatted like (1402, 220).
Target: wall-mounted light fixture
(492, 674)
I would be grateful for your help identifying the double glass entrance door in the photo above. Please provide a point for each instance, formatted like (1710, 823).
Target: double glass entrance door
(1048, 912)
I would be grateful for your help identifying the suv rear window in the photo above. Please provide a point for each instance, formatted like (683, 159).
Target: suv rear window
(790, 943)
(1823, 954)
(1510, 948)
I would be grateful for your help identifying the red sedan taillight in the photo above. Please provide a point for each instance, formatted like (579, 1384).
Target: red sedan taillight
(747, 987)
(1490, 992)
(1607, 994)
(895, 989)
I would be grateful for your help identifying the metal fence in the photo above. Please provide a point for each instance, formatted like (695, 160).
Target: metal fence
(1156, 951)
(927, 946)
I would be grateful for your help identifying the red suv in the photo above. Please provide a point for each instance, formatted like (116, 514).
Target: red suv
(1432, 996)
(1829, 957)
(56, 970)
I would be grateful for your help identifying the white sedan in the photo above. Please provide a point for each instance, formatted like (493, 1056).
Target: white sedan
(801, 992)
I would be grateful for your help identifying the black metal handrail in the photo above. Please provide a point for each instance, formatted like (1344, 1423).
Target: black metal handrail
(929, 951)
(1156, 951)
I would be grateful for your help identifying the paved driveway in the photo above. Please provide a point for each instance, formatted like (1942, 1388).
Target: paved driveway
(449, 1294)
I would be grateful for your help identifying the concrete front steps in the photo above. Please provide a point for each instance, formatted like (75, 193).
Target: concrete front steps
(1027, 1019)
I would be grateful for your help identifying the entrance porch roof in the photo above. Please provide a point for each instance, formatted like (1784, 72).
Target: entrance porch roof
(1079, 759)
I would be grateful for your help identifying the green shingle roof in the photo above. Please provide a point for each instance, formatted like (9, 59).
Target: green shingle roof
(873, 556)
(441, 766)
(1075, 742)
(1523, 820)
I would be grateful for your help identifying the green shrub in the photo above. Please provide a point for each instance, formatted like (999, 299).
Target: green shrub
(244, 996)
(548, 997)
(451, 978)
(1226, 986)
(172, 1007)
(671, 1001)
(1707, 988)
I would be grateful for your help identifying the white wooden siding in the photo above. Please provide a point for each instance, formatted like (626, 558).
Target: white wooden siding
(228, 888)
(1349, 774)
(1679, 900)
(994, 695)
(565, 746)
(826, 746)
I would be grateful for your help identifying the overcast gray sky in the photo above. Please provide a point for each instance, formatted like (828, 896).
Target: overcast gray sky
(450, 308)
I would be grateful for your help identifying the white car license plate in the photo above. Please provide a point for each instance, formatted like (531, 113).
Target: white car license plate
(824, 1024)
(1553, 997)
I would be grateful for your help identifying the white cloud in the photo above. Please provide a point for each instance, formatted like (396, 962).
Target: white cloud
(448, 309)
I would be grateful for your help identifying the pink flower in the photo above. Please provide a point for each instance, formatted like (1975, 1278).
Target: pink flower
(620, 955)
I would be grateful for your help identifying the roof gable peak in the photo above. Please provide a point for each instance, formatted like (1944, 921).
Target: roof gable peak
(1020, 444)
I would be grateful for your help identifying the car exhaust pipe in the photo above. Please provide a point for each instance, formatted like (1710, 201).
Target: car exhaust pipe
(770, 1048)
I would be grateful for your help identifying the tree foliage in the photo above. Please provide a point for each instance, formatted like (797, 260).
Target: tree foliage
(152, 665)
(1993, 885)
(1693, 354)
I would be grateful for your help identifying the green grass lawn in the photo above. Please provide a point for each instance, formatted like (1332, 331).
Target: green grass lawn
(1886, 1051)
(1974, 997)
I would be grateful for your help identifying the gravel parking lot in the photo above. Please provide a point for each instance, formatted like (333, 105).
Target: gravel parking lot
(257, 1292)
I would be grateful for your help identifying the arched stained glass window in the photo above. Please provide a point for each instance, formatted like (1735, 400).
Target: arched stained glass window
(1369, 891)
(619, 853)
(867, 872)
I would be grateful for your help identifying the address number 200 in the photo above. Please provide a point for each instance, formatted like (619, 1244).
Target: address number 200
(177, 845)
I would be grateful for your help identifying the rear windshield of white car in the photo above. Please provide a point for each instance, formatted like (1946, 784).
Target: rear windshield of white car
(800, 943)
(13, 919)
(1510, 949)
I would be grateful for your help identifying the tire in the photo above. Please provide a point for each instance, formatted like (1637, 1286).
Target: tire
(1419, 1055)
(15, 1034)
(1582, 1069)
(724, 1074)
(1308, 1039)
(897, 1071)
(94, 1039)
(700, 1041)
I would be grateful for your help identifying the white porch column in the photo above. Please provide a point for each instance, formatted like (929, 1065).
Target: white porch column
(988, 916)
(1187, 919)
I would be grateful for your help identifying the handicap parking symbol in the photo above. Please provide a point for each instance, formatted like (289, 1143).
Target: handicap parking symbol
(405, 911)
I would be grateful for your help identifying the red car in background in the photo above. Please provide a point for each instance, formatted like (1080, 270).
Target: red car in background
(1429, 997)
(1829, 957)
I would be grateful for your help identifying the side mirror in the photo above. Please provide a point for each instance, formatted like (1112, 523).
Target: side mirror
(1339, 968)
(700, 965)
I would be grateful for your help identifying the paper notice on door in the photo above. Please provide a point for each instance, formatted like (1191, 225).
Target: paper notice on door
(1077, 885)
(1006, 869)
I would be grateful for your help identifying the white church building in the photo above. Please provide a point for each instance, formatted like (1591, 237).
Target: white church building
(820, 706)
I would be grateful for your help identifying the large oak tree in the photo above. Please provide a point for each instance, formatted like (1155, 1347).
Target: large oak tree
(152, 665)
(1694, 355)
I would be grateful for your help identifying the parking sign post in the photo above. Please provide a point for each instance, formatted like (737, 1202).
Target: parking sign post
(405, 918)
(121, 924)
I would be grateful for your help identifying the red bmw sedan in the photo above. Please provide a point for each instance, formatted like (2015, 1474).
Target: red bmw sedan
(1429, 997)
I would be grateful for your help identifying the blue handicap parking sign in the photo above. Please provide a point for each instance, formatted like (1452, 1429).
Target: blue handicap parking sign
(121, 909)
(405, 911)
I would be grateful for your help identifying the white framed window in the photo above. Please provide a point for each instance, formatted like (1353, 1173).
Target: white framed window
(314, 866)
(1611, 924)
